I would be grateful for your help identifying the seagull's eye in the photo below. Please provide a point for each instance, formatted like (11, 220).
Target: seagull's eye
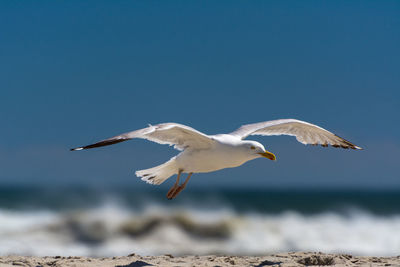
(252, 147)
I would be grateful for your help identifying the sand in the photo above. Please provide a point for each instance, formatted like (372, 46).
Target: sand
(281, 260)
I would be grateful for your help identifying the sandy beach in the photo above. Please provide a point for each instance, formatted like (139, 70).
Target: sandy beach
(133, 260)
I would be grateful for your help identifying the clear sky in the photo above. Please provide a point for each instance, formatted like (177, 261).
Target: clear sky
(75, 72)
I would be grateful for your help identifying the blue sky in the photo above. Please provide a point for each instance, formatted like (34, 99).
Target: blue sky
(74, 72)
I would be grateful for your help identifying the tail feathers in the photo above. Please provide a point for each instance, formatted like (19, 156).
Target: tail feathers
(158, 174)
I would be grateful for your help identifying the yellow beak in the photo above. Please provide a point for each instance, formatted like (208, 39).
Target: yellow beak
(268, 155)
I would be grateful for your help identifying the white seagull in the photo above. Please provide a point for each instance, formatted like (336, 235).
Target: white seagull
(208, 153)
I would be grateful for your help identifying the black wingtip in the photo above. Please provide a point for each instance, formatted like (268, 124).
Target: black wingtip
(348, 144)
(106, 142)
(76, 149)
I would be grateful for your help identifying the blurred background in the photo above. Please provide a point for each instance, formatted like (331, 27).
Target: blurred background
(75, 72)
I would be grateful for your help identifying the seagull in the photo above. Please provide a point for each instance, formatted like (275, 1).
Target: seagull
(202, 153)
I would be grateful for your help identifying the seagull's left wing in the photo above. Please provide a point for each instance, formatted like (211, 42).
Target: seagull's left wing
(178, 135)
(304, 132)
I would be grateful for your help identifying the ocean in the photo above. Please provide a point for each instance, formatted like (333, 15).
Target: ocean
(117, 221)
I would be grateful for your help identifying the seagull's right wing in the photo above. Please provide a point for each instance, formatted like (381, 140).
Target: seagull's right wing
(178, 135)
(304, 132)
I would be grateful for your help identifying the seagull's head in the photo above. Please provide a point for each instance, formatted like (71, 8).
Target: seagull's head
(257, 150)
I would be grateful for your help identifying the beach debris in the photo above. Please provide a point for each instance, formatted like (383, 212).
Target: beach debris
(317, 260)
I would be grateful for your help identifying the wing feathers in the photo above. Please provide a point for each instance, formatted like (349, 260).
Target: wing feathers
(178, 135)
(304, 132)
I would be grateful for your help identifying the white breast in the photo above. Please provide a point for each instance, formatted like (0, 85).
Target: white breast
(224, 154)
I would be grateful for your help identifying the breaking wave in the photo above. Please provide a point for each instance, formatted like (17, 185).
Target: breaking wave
(113, 229)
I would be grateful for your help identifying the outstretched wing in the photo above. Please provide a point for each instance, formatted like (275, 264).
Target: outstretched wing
(178, 135)
(304, 132)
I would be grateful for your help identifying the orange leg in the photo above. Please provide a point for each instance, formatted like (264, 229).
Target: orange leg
(176, 188)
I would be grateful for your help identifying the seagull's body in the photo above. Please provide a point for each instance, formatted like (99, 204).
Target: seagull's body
(225, 152)
(207, 153)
